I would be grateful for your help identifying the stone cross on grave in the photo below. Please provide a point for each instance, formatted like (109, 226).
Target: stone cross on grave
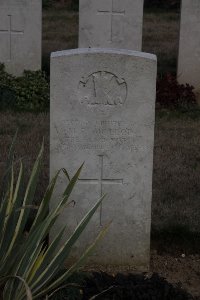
(111, 13)
(101, 181)
(10, 32)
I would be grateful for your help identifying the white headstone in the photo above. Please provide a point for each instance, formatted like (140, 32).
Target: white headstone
(20, 35)
(189, 46)
(111, 24)
(102, 113)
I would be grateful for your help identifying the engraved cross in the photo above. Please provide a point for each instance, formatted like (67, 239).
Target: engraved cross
(10, 31)
(112, 13)
(101, 181)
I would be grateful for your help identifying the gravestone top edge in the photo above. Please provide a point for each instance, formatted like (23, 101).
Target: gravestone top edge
(103, 51)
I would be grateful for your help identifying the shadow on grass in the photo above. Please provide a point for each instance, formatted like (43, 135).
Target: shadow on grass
(175, 240)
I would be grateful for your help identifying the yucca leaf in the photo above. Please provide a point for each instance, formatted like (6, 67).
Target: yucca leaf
(46, 200)
(72, 183)
(6, 177)
(29, 194)
(18, 187)
(64, 251)
(7, 235)
(75, 267)
(39, 260)
(88, 252)
(29, 249)
(9, 265)
(43, 259)
(34, 261)
(51, 218)
(10, 199)
(49, 254)
(16, 205)
(32, 249)
(10, 254)
(6, 292)
(3, 220)
(44, 206)
(33, 241)
(8, 225)
(7, 244)
(24, 259)
(66, 174)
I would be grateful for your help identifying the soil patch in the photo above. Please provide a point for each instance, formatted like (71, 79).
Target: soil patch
(170, 277)
(182, 270)
(132, 287)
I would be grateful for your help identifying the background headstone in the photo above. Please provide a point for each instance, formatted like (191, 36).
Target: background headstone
(20, 35)
(189, 46)
(111, 24)
(102, 113)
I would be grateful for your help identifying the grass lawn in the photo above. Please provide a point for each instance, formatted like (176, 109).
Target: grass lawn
(176, 175)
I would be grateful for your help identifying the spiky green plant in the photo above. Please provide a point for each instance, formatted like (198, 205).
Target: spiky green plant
(28, 269)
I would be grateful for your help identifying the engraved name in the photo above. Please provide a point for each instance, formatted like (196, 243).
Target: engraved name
(99, 135)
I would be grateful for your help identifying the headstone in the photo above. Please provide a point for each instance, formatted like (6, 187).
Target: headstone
(20, 35)
(102, 113)
(189, 46)
(111, 24)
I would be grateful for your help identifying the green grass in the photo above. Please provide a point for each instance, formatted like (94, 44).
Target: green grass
(176, 174)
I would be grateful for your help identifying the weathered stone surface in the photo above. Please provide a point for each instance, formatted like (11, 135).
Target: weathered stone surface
(102, 113)
(111, 24)
(20, 35)
(189, 46)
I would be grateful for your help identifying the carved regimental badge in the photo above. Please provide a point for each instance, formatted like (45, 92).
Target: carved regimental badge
(102, 88)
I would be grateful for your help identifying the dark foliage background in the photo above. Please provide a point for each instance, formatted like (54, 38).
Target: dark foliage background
(29, 92)
(171, 94)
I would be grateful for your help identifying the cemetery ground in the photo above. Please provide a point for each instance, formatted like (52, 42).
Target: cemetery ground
(176, 190)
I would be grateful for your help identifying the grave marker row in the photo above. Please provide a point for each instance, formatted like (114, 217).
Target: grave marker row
(104, 24)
